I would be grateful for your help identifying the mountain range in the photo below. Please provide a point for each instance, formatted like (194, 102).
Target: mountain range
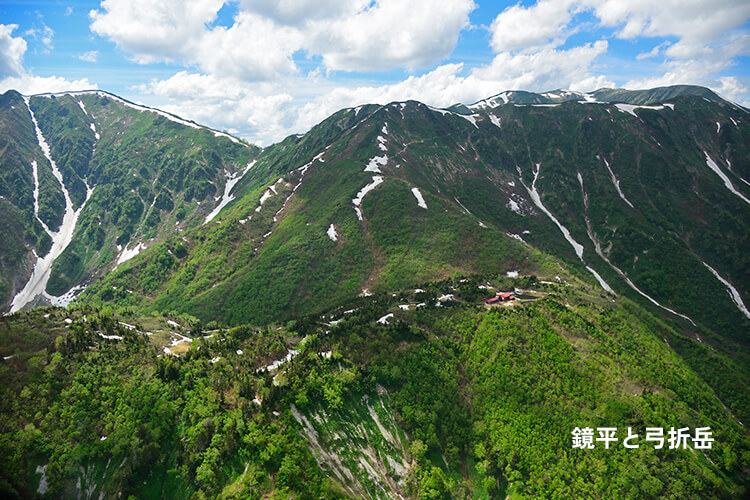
(619, 219)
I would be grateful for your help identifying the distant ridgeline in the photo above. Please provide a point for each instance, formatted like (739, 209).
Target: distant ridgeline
(619, 220)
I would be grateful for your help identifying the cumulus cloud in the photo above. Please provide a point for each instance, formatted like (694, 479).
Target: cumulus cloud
(260, 44)
(541, 25)
(29, 84)
(653, 52)
(301, 12)
(261, 114)
(12, 50)
(14, 76)
(154, 30)
(389, 35)
(547, 69)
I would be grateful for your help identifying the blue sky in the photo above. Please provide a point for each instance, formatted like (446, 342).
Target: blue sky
(264, 69)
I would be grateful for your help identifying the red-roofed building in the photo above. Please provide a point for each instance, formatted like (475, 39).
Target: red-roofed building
(500, 297)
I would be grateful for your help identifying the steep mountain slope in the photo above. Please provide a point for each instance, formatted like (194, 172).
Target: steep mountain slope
(648, 200)
(89, 179)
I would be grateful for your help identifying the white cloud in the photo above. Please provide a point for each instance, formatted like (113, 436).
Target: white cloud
(301, 12)
(14, 76)
(254, 48)
(43, 34)
(154, 30)
(653, 52)
(730, 88)
(542, 25)
(12, 50)
(349, 36)
(547, 69)
(389, 35)
(690, 20)
(28, 84)
(90, 56)
(703, 40)
(261, 114)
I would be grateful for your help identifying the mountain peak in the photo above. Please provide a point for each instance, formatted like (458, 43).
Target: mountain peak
(605, 95)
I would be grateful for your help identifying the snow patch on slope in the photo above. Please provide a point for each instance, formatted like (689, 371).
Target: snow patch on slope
(418, 196)
(733, 293)
(600, 252)
(93, 129)
(515, 207)
(372, 165)
(128, 254)
(713, 166)
(577, 247)
(630, 108)
(37, 283)
(332, 233)
(615, 181)
(357, 201)
(232, 179)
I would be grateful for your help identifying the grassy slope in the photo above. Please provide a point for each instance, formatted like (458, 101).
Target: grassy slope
(150, 175)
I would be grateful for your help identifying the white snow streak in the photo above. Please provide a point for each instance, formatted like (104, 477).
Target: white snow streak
(159, 112)
(576, 246)
(263, 198)
(40, 275)
(227, 197)
(736, 298)
(231, 138)
(35, 175)
(494, 119)
(418, 196)
(615, 182)
(600, 280)
(538, 202)
(598, 249)
(93, 129)
(713, 166)
(470, 118)
(376, 181)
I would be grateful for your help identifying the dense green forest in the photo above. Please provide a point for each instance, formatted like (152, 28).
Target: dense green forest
(441, 399)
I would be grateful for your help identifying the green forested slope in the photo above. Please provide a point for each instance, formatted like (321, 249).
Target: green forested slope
(484, 400)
